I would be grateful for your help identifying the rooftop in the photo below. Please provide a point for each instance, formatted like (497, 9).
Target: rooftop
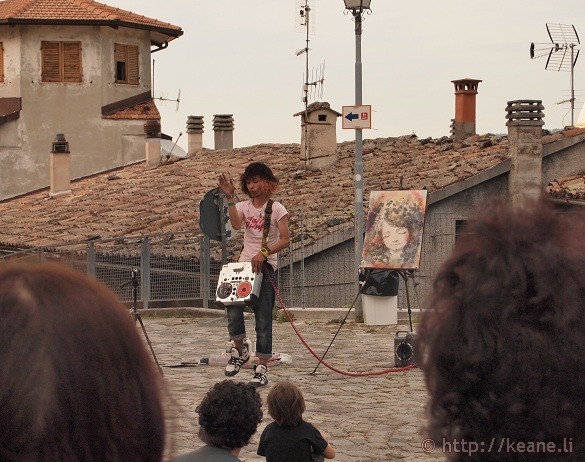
(82, 12)
(136, 200)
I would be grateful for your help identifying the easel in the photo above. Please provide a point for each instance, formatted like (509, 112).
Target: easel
(405, 275)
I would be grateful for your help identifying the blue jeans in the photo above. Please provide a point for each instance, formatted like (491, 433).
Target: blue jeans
(262, 312)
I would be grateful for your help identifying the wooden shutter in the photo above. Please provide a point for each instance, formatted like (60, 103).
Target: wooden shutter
(127, 54)
(119, 63)
(61, 61)
(132, 63)
(71, 61)
(50, 52)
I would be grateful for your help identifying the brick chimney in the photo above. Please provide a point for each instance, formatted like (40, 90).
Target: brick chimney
(60, 166)
(525, 149)
(223, 127)
(194, 134)
(464, 123)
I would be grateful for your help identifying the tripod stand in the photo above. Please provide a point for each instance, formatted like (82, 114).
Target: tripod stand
(136, 315)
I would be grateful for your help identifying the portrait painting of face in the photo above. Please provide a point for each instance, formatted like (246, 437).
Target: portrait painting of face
(394, 229)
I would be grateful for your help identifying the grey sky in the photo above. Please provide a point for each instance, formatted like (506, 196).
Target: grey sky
(238, 57)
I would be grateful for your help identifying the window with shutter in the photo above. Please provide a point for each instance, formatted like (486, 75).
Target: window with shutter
(126, 64)
(61, 61)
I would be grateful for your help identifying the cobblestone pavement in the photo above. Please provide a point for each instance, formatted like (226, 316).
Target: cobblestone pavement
(375, 418)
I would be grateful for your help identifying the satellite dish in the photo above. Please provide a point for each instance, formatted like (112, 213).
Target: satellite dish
(210, 219)
(169, 148)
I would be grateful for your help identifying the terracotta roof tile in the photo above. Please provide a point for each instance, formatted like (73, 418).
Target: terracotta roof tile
(141, 111)
(135, 200)
(78, 10)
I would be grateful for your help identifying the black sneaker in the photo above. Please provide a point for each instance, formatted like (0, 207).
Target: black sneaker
(236, 361)
(260, 376)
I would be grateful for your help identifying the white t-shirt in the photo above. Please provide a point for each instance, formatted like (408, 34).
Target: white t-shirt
(254, 228)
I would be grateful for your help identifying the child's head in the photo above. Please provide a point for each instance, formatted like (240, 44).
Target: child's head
(286, 404)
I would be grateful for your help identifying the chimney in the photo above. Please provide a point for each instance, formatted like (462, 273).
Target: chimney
(223, 126)
(153, 150)
(318, 136)
(194, 134)
(60, 164)
(464, 122)
(525, 149)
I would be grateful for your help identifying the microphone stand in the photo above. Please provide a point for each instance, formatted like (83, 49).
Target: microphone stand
(136, 315)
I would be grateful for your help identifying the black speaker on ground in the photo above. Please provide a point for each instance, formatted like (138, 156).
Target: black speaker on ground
(404, 352)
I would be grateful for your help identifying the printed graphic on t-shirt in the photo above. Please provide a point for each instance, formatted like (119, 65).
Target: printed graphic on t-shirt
(256, 223)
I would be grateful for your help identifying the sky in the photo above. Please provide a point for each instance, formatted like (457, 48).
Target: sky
(240, 57)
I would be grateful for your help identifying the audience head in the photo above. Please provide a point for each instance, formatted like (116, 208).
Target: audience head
(76, 382)
(503, 344)
(229, 415)
(286, 404)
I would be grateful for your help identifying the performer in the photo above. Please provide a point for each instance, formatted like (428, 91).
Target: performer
(259, 183)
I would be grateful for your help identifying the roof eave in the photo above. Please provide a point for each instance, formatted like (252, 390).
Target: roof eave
(168, 32)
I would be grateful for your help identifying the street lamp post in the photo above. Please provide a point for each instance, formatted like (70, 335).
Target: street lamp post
(357, 8)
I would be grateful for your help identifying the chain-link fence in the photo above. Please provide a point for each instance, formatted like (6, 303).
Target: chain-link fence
(182, 269)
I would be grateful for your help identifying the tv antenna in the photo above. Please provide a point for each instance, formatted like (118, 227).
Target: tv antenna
(314, 86)
(160, 98)
(562, 55)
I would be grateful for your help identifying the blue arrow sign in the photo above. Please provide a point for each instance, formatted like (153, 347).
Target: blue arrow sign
(351, 116)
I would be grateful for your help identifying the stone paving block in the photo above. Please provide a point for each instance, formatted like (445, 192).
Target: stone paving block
(376, 418)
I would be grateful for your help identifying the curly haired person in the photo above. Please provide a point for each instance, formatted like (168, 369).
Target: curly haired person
(259, 183)
(229, 415)
(503, 345)
(290, 438)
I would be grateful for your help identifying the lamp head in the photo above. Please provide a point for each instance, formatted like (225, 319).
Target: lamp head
(357, 4)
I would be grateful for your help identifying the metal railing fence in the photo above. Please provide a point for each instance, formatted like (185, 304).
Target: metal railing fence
(182, 269)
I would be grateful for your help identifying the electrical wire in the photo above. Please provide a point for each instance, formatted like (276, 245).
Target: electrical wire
(325, 363)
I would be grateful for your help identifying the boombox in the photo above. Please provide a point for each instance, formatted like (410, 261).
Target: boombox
(238, 284)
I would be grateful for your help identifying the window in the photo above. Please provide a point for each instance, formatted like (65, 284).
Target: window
(61, 61)
(126, 60)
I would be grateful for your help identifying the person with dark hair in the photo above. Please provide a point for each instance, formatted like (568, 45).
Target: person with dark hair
(76, 382)
(229, 415)
(503, 344)
(290, 438)
(259, 183)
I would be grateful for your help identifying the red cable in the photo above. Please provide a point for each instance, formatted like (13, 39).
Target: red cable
(326, 364)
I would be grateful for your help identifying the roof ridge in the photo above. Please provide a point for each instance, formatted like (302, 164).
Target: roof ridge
(87, 10)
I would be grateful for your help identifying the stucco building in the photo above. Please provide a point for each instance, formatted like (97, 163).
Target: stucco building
(80, 68)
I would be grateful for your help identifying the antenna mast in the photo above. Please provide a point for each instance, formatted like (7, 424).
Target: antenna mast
(564, 40)
(177, 100)
(304, 9)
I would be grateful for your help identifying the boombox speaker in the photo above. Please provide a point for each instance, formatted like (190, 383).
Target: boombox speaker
(238, 284)
(404, 344)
